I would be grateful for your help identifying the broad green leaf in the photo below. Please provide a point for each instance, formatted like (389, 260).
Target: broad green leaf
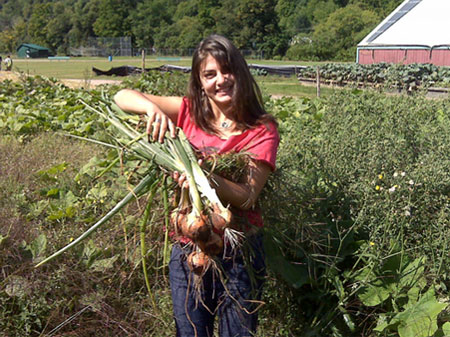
(70, 211)
(104, 264)
(53, 193)
(53, 171)
(57, 215)
(374, 293)
(37, 208)
(420, 320)
(70, 198)
(446, 329)
(38, 246)
(384, 323)
(17, 286)
(295, 274)
(90, 252)
(412, 272)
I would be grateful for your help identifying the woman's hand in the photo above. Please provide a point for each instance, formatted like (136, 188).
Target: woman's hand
(180, 178)
(157, 125)
(161, 111)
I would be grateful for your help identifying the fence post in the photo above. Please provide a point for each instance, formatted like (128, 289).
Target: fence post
(143, 60)
(318, 81)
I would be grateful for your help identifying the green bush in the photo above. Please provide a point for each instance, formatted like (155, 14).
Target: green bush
(363, 180)
(304, 51)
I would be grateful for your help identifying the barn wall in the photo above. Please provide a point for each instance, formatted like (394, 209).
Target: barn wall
(439, 57)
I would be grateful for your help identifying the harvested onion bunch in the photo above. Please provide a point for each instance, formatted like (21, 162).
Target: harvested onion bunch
(200, 215)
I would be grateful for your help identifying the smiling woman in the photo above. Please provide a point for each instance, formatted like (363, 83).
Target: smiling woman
(223, 113)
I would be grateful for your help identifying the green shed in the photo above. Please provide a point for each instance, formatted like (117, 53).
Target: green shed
(31, 50)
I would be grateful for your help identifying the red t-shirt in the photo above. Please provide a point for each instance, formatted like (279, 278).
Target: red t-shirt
(261, 143)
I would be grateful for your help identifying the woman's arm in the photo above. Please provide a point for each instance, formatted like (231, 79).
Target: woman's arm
(243, 195)
(162, 111)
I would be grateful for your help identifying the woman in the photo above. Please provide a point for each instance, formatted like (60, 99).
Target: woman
(223, 112)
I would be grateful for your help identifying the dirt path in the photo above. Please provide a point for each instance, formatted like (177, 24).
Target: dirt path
(71, 83)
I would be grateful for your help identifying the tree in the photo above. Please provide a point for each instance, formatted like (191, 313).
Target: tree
(7, 40)
(252, 24)
(58, 28)
(148, 18)
(226, 20)
(266, 26)
(190, 32)
(292, 16)
(318, 10)
(206, 14)
(85, 13)
(382, 7)
(38, 24)
(338, 36)
(113, 19)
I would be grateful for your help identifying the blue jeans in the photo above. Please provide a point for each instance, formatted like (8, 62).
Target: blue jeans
(235, 300)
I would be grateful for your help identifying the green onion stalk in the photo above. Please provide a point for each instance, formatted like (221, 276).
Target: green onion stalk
(139, 190)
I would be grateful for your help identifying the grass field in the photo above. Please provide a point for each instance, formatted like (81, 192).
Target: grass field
(81, 69)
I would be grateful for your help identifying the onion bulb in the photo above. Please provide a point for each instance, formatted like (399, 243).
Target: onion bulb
(196, 227)
(178, 221)
(213, 246)
(198, 262)
(220, 218)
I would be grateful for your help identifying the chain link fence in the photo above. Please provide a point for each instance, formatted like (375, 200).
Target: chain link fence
(104, 46)
(122, 46)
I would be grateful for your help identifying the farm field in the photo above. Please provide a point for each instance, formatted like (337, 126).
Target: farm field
(78, 72)
(80, 67)
(357, 216)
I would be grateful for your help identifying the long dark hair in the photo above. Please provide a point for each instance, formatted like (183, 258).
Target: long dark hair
(247, 103)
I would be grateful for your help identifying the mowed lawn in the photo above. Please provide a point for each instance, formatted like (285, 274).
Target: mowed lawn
(80, 68)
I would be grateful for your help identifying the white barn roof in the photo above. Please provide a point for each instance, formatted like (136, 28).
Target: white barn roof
(414, 23)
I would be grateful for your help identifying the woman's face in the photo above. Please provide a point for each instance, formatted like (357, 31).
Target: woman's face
(217, 84)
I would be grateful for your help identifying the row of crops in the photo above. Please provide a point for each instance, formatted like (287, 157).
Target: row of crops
(357, 217)
(396, 76)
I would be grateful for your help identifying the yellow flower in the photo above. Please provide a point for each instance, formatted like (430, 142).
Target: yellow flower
(377, 188)
(71, 239)
(372, 243)
(380, 176)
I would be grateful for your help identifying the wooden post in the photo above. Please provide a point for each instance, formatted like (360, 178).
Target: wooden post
(318, 81)
(143, 60)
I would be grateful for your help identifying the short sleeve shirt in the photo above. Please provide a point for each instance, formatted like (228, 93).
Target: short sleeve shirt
(261, 143)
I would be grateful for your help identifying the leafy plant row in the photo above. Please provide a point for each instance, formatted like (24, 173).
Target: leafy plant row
(389, 75)
(37, 104)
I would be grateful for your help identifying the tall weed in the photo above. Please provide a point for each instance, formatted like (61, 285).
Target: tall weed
(362, 177)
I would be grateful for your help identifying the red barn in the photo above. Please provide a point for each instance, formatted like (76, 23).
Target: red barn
(417, 31)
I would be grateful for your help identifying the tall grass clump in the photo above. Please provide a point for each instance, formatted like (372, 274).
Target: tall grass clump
(53, 188)
(359, 213)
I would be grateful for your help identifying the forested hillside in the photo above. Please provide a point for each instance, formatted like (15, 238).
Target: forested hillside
(295, 29)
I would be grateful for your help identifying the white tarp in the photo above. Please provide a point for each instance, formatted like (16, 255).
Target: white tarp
(414, 22)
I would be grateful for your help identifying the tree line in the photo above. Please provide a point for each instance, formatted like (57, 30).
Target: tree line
(292, 29)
